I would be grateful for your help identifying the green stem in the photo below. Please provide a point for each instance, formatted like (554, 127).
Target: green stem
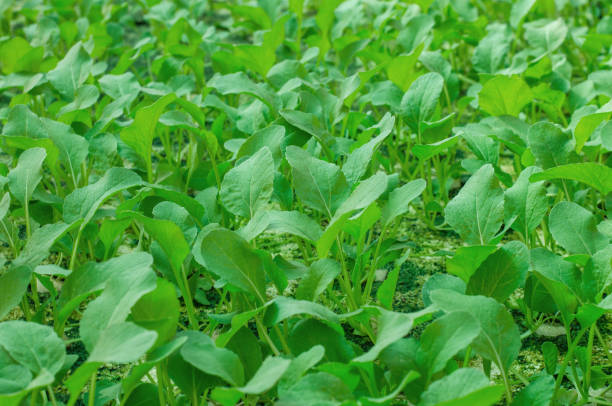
(568, 356)
(75, 247)
(10, 239)
(51, 395)
(372, 271)
(263, 332)
(281, 338)
(587, 379)
(193, 320)
(92, 390)
(160, 386)
(27, 219)
(345, 278)
(468, 356)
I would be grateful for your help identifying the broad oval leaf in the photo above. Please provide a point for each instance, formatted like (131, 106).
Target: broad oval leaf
(231, 258)
(320, 185)
(594, 174)
(504, 95)
(575, 229)
(419, 102)
(499, 340)
(23, 179)
(477, 211)
(247, 188)
(201, 352)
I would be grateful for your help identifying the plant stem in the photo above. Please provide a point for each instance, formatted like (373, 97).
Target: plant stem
(587, 379)
(193, 320)
(372, 271)
(51, 395)
(262, 331)
(92, 390)
(75, 247)
(570, 353)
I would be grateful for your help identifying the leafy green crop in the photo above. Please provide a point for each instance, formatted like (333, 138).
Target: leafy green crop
(291, 202)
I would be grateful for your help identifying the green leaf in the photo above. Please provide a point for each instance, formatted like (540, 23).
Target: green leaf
(545, 35)
(501, 273)
(247, 187)
(33, 345)
(525, 202)
(73, 150)
(477, 211)
(556, 269)
(293, 222)
(168, 235)
(113, 306)
(247, 346)
(22, 122)
(444, 338)
(122, 343)
(491, 51)
(155, 356)
(319, 275)
(586, 126)
(463, 387)
(401, 68)
(467, 259)
(319, 388)
(84, 202)
(308, 333)
(519, 10)
(363, 196)
(549, 144)
(421, 99)
(23, 179)
(231, 258)
(425, 152)
(575, 229)
(84, 98)
(17, 55)
(499, 340)
(238, 321)
(13, 285)
(266, 376)
(117, 86)
(71, 72)
(410, 377)
(158, 310)
(504, 95)
(38, 246)
(538, 393)
(201, 352)
(238, 83)
(357, 162)
(594, 174)
(92, 277)
(143, 395)
(441, 281)
(391, 327)
(272, 137)
(282, 308)
(311, 125)
(386, 291)
(139, 135)
(320, 185)
(399, 200)
(299, 365)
